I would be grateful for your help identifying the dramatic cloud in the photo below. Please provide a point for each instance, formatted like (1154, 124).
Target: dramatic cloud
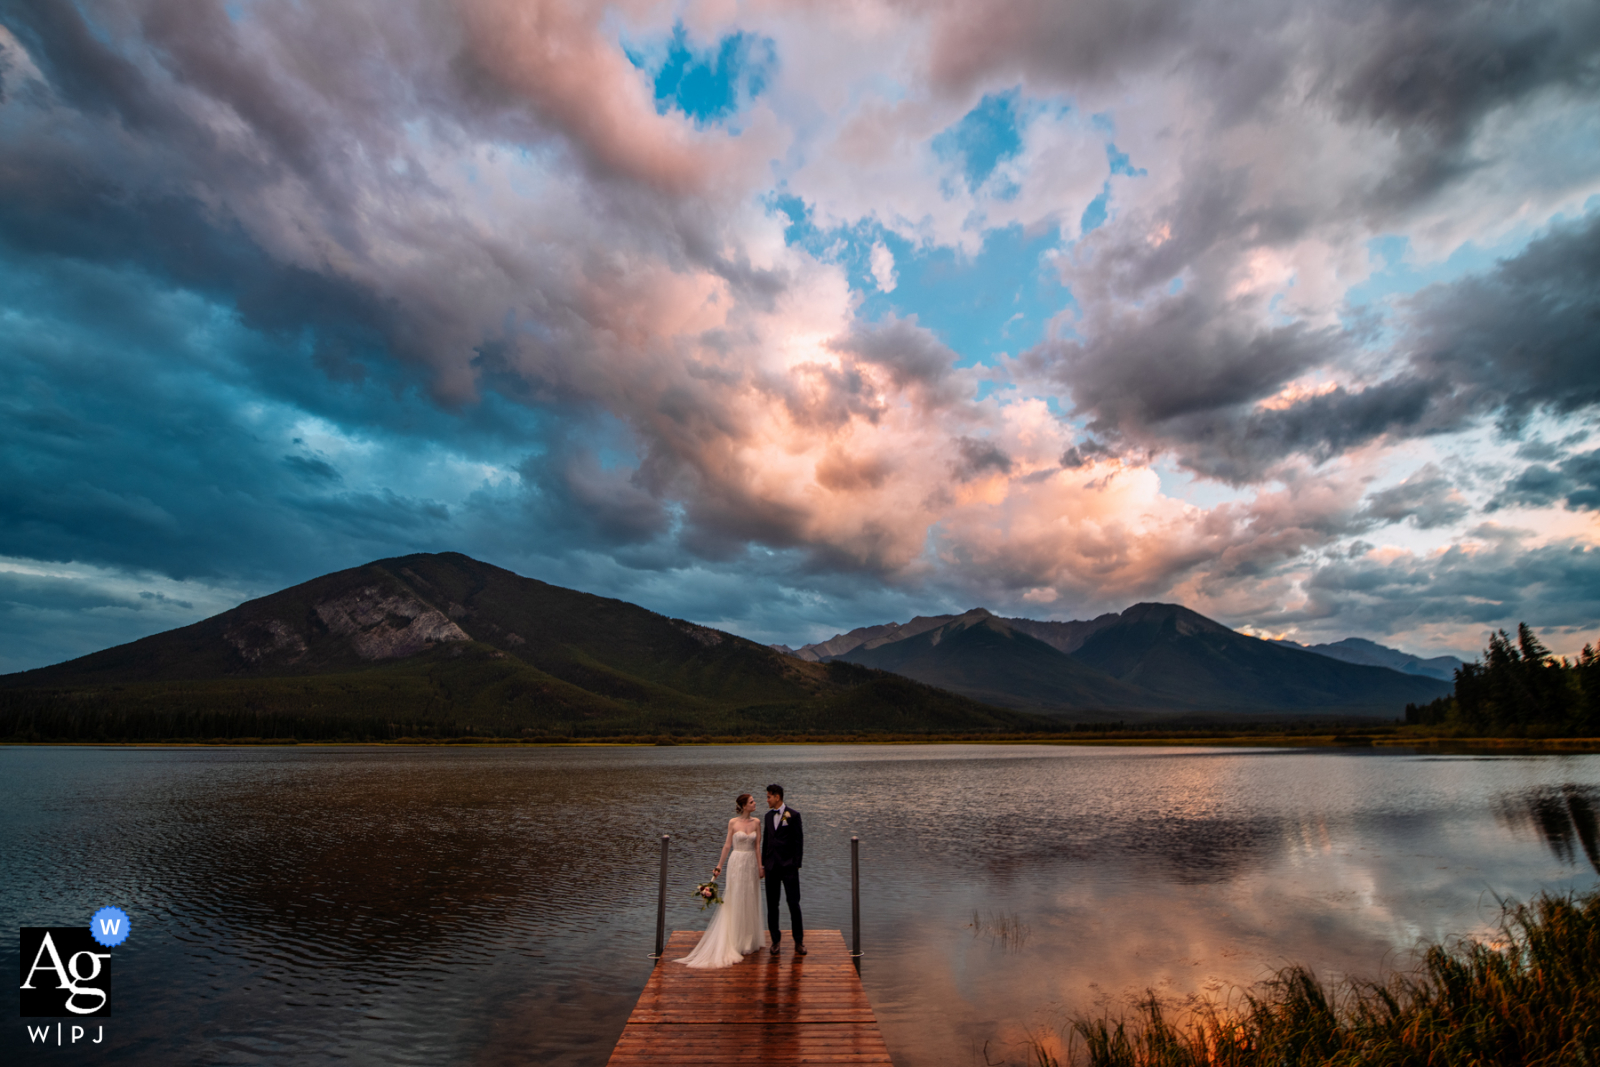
(789, 318)
(1427, 499)
(1575, 482)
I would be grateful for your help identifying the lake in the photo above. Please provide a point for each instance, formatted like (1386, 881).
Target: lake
(497, 906)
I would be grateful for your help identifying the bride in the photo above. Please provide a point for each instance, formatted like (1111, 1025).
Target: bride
(735, 929)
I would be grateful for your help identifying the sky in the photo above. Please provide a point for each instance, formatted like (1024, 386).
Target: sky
(791, 317)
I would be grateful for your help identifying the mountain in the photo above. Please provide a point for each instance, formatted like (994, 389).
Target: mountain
(984, 657)
(1372, 654)
(868, 637)
(1183, 657)
(441, 643)
(1152, 657)
(1062, 636)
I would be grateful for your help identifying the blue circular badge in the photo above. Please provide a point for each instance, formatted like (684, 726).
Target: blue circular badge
(109, 926)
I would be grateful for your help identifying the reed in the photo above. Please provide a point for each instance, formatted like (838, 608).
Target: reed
(1529, 996)
(1002, 928)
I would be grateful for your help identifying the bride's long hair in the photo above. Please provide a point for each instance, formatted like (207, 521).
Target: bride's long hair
(741, 801)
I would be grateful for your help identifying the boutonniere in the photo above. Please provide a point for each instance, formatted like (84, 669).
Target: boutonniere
(785, 818)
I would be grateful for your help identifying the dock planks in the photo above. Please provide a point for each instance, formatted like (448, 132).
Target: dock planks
(767, 1009)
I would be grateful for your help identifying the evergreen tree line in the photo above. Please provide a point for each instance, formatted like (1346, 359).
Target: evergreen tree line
(1519, 689)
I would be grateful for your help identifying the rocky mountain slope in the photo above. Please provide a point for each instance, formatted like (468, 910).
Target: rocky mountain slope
(450, 641)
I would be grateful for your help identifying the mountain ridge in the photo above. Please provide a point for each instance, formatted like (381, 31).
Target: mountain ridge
(1372, 654)
(1069, 636)
(981, 656)
(444, 637)
(1151, 657)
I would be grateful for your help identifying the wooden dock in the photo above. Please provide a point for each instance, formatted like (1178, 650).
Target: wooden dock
(778, 1010)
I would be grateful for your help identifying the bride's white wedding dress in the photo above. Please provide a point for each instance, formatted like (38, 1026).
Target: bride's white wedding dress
(735, 929)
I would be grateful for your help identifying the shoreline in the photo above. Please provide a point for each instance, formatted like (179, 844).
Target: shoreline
(1346, 741)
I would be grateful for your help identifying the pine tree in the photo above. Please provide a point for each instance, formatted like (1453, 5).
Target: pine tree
(1520, 688)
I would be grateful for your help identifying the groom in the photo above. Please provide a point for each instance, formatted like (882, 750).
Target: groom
(782, 846)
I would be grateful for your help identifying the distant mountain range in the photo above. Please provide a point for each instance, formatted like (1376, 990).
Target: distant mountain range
(432, 644)
(1150, 658)
(435, 645)
(1372, 654)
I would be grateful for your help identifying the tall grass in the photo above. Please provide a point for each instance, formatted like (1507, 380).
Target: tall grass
(1530, 996)
(1003, 928)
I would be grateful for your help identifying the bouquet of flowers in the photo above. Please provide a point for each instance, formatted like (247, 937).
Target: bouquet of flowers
(707, 894)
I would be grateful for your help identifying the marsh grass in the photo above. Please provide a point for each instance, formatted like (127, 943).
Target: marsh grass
(1002, 928)
(1530, 996)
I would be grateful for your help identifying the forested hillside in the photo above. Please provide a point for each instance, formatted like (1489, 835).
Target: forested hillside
(1519, 689)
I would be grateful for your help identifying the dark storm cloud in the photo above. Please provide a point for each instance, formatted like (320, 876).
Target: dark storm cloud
(1169, 355)
(575, 493)
(1436, 71)
(915, 360)
(1184, 372)
(1179, 359)
(1428, 499)
(87, 73)
(1521, 337)
(257, 136)
(1557, 584)
(1574, 482)
(1430, 71)
(123, 440)
(227, 118)
(313, 468)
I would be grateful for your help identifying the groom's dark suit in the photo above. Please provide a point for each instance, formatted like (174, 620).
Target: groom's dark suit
(783, 845)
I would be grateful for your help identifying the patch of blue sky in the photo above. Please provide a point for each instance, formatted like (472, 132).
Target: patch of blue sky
(1099, 209)
(999, 300)
(1121, 164)
(984, 137)
(708, 84)
(801, 230)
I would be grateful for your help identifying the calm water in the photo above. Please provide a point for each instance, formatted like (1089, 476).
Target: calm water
(497, 906)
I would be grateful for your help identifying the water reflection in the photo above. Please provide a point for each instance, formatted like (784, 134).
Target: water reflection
(496, 906)
(1565, 817)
